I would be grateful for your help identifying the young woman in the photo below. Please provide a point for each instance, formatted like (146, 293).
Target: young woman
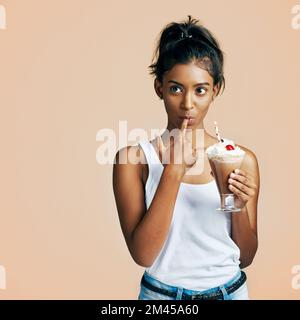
(168, 217)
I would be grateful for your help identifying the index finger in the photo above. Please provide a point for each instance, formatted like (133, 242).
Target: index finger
(184, 125)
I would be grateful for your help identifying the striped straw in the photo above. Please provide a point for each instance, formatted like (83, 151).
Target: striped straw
(217, 132)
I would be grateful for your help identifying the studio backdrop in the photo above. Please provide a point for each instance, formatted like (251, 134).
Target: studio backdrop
(71, 69)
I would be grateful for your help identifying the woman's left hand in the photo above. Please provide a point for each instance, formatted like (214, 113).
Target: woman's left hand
(242, 185)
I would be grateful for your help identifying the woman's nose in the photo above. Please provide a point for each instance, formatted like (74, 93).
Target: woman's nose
(187, 102)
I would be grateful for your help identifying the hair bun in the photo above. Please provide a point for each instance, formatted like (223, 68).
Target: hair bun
(184, 35)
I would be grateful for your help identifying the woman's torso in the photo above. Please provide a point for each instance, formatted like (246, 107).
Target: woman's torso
(198, 252)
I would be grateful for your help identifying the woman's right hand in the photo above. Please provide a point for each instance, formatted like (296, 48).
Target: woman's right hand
(179, 155)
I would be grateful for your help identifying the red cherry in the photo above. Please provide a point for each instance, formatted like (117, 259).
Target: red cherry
(229, 147)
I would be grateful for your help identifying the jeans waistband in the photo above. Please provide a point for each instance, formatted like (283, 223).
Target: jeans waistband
(214, 293)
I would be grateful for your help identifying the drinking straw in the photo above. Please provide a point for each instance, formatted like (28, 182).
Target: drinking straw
(217, 132)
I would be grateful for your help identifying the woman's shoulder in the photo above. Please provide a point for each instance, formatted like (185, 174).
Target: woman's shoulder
(130, 154)
(250, 161)
(250, 154)
(129, 165)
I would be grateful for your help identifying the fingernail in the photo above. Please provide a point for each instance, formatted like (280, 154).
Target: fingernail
(236, 170)
(232, 175)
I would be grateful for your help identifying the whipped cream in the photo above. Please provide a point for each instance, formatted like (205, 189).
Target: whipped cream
(218, 150)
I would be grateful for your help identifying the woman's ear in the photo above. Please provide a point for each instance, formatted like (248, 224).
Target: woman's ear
(215, 92)
(158, 88)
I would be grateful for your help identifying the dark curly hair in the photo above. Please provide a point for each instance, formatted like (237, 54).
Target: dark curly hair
(186, 42)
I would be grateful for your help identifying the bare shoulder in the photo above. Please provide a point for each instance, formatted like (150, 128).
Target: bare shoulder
(250, 163)
(126, 171)
(131, 155)
(250, 157)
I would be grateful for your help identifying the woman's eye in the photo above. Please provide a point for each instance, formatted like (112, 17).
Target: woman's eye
(171, 88)
(202, 91)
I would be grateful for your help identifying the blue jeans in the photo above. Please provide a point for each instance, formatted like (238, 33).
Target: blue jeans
(180, 293)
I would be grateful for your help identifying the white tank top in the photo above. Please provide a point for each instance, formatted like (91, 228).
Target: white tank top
(198, 252)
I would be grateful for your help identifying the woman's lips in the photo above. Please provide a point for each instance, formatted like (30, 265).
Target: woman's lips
(191, 120)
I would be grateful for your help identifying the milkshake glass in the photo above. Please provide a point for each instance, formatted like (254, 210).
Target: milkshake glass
(224, 157)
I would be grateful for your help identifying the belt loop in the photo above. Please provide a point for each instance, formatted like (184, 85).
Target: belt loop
(225, 294)
(179, 293)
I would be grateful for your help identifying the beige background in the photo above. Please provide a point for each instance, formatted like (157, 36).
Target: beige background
(69, 68)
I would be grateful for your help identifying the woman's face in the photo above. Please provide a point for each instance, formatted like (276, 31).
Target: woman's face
(187, 91)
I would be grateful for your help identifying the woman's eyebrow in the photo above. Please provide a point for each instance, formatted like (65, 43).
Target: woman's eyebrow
(197, 84)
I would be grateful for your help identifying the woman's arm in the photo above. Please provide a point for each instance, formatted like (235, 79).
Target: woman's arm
(145, 231)
(245, 184)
